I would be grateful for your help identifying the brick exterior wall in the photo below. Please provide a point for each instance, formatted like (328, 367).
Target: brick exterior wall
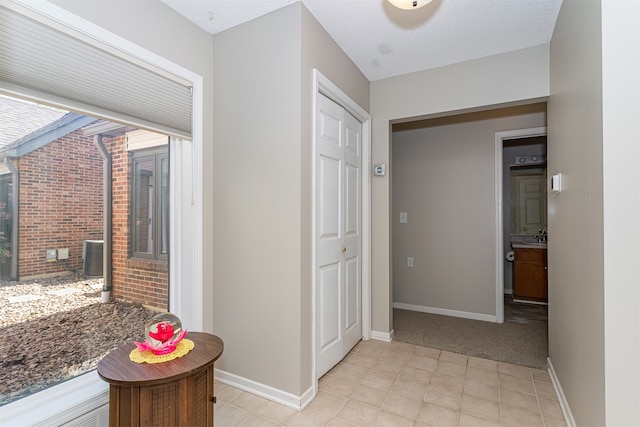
(61, 207)
(60, 204)
(134, 279)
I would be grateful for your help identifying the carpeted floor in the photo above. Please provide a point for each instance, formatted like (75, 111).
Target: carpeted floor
(521, 339)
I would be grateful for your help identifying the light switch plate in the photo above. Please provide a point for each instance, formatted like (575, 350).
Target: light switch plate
(556, 183)
(403, 217)
(379, 169)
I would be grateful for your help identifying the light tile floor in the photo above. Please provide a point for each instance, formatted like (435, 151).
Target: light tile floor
(398, 384)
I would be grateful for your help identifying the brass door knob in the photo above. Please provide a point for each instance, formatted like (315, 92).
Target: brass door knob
(344, 249)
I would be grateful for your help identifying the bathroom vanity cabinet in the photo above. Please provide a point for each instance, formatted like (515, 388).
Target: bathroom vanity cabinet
(530, 274)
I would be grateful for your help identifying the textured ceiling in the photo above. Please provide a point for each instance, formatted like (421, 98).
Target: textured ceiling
(384, 41)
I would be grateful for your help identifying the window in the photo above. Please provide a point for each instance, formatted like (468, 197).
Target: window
(6, 206)
(150, 204)
(78, 395)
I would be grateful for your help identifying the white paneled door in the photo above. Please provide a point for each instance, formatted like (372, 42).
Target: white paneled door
(532, 205)
(338, 233)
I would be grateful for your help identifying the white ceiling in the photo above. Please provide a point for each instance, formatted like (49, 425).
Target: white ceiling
(384, 41)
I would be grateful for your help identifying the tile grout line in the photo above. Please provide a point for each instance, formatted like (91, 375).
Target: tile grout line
(377, 355)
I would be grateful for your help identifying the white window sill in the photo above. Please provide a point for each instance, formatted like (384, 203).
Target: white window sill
(58, 404)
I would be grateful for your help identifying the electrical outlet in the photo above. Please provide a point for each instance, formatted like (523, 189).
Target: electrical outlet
(410, 261)
(51, 255)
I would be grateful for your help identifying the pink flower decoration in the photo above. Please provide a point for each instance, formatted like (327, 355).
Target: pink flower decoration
(164, 332)
(166, 347)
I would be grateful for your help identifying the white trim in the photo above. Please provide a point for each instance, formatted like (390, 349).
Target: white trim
(97, 417)
(499, 241)
(279, 396)
(141, 139)
(383, 336)
(60, 401)
(564, 404)
(366, 230)
(58, 404)
(445, 312)
(322, 85)
(186, 226)
(314, 241)
(197, 166)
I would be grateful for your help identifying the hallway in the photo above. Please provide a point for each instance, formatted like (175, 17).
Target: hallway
(521, 340)
(398, 384)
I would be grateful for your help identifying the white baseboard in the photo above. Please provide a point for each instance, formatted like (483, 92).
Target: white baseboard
(279, 396)
(382, 336)
(307, 397)
(564, 404)
(445, 312)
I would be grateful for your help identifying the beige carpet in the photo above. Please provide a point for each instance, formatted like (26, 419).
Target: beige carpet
(520, 340)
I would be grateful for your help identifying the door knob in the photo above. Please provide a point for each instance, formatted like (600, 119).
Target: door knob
(344, 249)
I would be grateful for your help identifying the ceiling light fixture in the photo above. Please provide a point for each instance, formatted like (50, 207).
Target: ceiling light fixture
(409, 4)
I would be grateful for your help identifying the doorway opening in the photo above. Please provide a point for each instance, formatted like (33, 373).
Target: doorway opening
(447, 213)
(524, 197)
(520, 155)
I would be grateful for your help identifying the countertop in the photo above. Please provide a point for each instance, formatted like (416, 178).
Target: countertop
(527, 245)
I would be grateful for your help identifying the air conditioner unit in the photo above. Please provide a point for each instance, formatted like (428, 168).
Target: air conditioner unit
(92, 256)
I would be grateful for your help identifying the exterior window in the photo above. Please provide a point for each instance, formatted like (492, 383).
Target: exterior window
(6, 207)
(150, 202)
(52, 277)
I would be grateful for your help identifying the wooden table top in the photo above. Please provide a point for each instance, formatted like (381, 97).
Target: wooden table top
(116, 367)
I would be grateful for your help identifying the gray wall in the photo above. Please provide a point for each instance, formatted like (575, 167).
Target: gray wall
(594, 326)
(444, 178)
(576, 268)
(516, 77)
(256, 220)
(621, 181)
(262, 186)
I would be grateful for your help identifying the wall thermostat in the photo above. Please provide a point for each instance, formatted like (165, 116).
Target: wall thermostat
(379, 170)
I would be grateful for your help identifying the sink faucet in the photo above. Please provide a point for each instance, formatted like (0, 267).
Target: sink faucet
(542, 235)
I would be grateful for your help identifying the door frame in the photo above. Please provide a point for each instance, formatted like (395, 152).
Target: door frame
(322, 85)
(500, 137)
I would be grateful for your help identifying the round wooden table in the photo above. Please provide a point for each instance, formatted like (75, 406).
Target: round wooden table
(174, 393)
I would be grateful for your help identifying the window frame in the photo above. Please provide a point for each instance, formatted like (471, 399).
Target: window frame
(80, 395)
(159, 154)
